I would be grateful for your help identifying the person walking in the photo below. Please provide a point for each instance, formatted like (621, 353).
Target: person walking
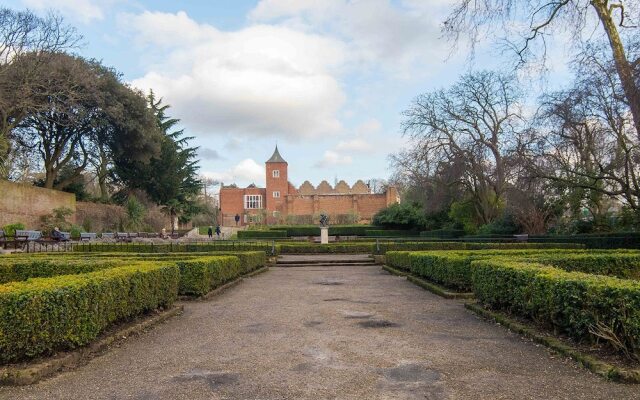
(218, 231)
(210, 232)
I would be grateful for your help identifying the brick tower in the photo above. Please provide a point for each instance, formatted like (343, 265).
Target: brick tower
(277, 185)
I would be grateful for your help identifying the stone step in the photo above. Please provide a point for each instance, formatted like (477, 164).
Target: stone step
(326, 265)
(347, 261)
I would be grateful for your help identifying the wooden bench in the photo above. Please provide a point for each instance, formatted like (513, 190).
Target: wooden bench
(28, 236)
(107, 235)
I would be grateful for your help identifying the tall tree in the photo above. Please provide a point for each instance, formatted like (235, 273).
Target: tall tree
(476, 122)
(171, 180)
(22, 33)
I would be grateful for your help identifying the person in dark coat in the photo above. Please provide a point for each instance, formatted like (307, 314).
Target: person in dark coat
(218, 231)
(237, 218)
(210, 232)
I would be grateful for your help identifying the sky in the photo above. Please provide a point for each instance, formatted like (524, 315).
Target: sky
(325, 80)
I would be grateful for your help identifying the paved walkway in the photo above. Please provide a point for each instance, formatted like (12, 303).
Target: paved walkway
(326, 333)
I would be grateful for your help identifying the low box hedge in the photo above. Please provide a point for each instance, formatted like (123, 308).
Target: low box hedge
(198, 276)
(390, 233)
(583, 306)
(443, 233)
(44, 315)
(270, 234)
(337, 248)
(314, 230)
(398, 260)
(619, 264)
(21, 269)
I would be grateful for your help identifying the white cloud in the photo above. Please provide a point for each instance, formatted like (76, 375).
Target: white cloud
(401, 38)
(259, 81)
(331, 159)
(84, 10)
(247, 171)
(357, 144)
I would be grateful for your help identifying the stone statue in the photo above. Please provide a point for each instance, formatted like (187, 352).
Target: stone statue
(324, 220)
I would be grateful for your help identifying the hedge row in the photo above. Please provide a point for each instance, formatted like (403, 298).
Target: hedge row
(44, 315)
(332, 248)
(453, 268)
(200, 275)
(172, 247)
(382, 248)
(583, 306)
(443, 233)
(390, 233)
(270, 234)
(25, 268)
(621, 265)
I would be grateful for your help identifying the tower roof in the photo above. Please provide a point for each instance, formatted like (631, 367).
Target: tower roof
(276, 157)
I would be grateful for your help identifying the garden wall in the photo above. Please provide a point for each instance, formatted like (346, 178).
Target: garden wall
(26, 203)
(96, 217)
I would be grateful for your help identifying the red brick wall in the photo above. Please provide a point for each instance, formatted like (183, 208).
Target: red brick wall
(232, 203)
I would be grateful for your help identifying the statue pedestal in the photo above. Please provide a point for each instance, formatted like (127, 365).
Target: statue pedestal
(324, 235)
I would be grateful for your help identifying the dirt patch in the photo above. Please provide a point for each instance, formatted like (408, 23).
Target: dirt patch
(411, 373)
(310, 324)
(378, 323)
(213, 378)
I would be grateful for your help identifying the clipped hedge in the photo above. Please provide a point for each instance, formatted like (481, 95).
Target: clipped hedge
(331, 248)
(44, 315)
(443, 233)
(398, 260)
(573, 303)
(424, 246)
(270, 234)
(621, 265)
(221, 245)
(199, 276)
(390, 233)
(21, 269)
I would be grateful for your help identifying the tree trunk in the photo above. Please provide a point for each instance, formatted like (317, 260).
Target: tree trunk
(623, 67)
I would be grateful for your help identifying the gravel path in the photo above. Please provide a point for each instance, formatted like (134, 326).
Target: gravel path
(326, 333)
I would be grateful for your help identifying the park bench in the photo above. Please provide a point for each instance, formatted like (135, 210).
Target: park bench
(522, 237)
(107, 235)
(133, 235)
(122, 237)
(28, 236)
(86, 237)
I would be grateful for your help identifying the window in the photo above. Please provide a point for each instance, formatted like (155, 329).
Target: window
(276, 194)
(252, 201)
(276, 173)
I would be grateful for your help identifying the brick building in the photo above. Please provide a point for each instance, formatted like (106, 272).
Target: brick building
(281, 202)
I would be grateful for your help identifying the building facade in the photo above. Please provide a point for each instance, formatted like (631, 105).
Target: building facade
(282, 203)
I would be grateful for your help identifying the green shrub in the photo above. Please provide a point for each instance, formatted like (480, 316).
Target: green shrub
(621, 265)
(44, 315)
(583, 306)
(332, 248)
(451, 270)
(443, 233)
(391, 233)
(401, 216)
(10, 229)
(271, 234)
(398, 260)
(198, 276)
(15, 269)
(314, 230)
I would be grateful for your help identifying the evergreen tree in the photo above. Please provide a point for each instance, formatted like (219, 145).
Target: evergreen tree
(172, 178)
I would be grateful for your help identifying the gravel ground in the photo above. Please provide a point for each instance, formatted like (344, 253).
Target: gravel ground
(326, 333)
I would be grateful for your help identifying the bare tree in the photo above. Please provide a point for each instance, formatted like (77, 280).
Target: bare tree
(24, 33)
(542, 17)
(474, 123)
